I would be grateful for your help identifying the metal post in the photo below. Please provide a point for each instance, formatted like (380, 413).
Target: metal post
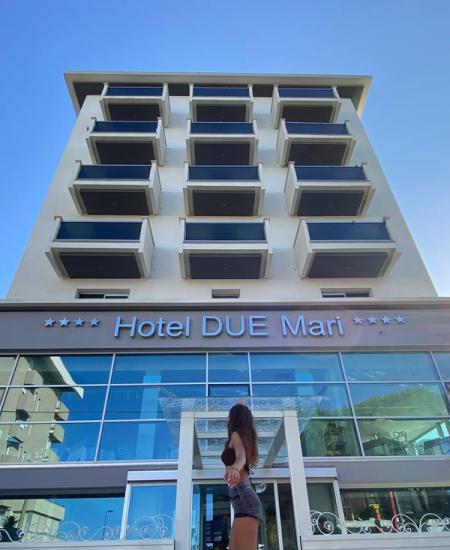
(300, 501)
(183, 504)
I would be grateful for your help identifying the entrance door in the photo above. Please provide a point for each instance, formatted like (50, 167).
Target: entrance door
(212, 516)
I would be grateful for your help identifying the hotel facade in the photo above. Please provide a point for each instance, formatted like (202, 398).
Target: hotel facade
(208, 239)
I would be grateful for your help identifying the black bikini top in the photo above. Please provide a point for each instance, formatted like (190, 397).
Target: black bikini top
(229, 457)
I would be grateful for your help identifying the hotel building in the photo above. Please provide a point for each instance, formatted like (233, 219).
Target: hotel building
(208, 239)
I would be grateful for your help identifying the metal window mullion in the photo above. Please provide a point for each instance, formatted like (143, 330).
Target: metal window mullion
(125, 511)
(358, 434)
(8, 383)
(207, 374)
(339, 506)
(446, 393)
(102, 420)
(278, 516)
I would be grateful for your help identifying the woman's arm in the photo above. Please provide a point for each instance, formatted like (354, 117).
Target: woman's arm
(233, 473)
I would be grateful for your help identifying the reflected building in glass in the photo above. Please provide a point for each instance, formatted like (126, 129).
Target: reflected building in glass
(209, 239)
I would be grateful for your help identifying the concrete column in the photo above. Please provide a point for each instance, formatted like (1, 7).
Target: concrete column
(183, 506)
(299, 491)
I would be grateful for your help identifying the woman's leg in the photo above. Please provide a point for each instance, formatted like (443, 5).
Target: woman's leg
(244, 534)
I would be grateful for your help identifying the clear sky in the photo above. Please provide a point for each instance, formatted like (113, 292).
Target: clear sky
(403, 44)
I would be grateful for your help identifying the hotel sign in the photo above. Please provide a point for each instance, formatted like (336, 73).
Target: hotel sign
(195, 329)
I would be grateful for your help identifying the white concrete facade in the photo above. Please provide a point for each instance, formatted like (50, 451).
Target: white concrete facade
(407, 278)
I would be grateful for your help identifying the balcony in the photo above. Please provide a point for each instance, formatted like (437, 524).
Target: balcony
(102, 250)
(117, 189)
(304, 105)
(136, 103)
(221, 143)
(221, 103)
(327, 190)
(127, 142)
(344, 249)
(223, 190)
(314, 144)
(215, 250)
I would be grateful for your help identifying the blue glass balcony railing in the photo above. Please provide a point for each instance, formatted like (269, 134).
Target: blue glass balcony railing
(220, 91)
(305, 92)
(99, 231)
(144, 91)
(330, 173)
(148, 127)
(225, 232)
(363, 231)
(114, 172)
(223, 173)
(322, 128)
(222, 128)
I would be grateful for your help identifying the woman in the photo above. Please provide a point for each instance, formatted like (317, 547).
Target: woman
(241, 453)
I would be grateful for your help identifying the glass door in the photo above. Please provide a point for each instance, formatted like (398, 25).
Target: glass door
(212, 516)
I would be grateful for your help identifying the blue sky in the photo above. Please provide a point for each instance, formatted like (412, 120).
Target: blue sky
(403, 44)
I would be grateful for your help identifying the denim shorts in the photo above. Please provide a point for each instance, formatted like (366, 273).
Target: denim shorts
(245, 501)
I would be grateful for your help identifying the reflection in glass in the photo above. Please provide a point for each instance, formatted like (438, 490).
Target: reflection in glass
(313, 399)
(139, 441)
(159, 368)
(62, 369)
(376, 367)
(148, 401)
(443, 363)
(323, 509)
(378, 510)
(268, 532)
(385, 437)
(398, 400)
(329, 438)
(151, 514)
(6, 366)
(287, 516)
(53, 403)
(228, 367)
(211, 517)
(231, 390)
(56, 442)
(48, 519)
(295, 367)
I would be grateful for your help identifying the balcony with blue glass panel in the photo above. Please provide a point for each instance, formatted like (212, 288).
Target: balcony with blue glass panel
(223, 190)
(337, 249)
(304, 104)
(314, 143)
(221, 103)
(102, 249)
(222, 143)
(143, 102)
(327, 190)
(127, 141)
(116, 189)
(225, 250)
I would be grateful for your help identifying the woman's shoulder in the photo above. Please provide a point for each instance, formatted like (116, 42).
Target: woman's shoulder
(235, 438)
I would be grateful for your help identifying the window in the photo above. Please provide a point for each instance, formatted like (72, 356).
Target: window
(329, 438)
(376, 367)
(103, 295)
(295, 367)
(159, 368)
(228, 367)
(231, 390)
(225, 293)
(139, 441)
(346, 293)
(388, 437)
(151, 514)
(54, 518)
(6, 366)
(443, 363)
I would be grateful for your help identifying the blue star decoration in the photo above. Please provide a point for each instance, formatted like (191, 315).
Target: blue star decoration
(79, 322)
(385, 319)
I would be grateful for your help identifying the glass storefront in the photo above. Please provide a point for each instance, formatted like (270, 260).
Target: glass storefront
(127, 407)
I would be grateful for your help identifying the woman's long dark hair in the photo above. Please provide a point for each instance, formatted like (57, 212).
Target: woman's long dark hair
(240, 420)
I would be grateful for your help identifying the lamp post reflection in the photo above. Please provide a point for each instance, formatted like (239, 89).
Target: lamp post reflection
(104, 522)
